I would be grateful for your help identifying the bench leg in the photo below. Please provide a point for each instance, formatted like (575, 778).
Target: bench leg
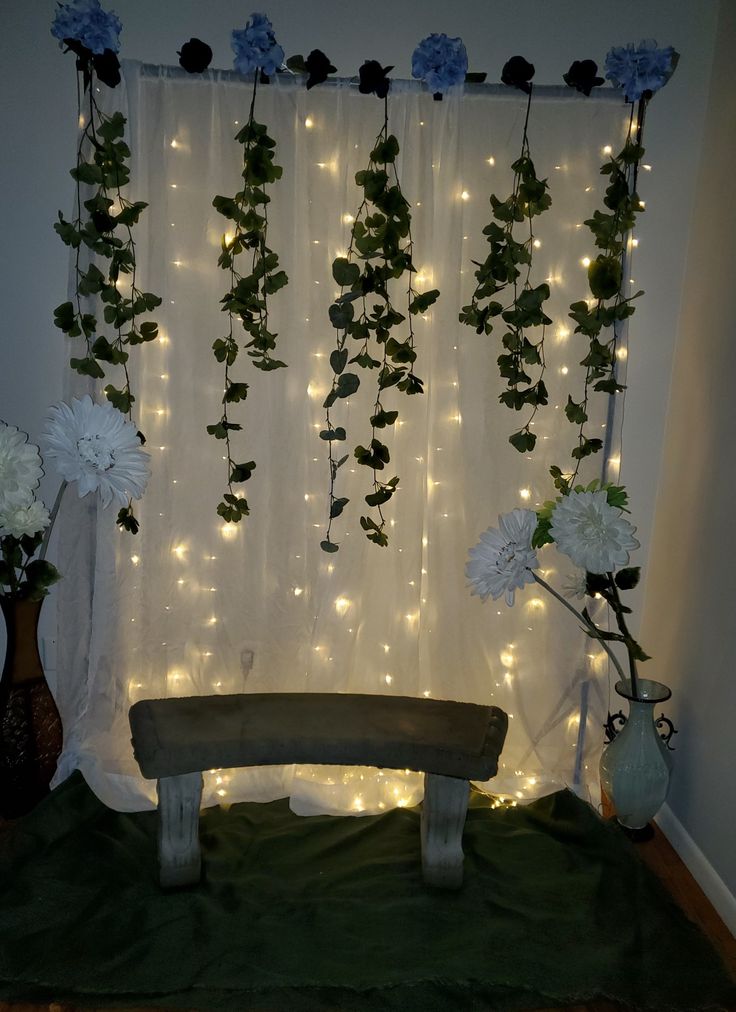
(443, 817)
(178, 829)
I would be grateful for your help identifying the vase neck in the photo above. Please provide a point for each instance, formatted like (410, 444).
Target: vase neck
(22, 659)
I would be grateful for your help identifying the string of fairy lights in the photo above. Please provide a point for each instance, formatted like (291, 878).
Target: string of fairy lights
(190, 600)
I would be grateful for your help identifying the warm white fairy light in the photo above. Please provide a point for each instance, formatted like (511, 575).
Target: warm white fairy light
(537, 244)
(341, 605)
(228, 531)
(465, 195)
(174, 143)
(348, 219)
(585, 261)
(309, 122)
(608, 150)
(564, 370)
(135, 559)
(491, 160)
(506, 658)
(525, 493)
(179, 551)
(298, 591)
(621, 353)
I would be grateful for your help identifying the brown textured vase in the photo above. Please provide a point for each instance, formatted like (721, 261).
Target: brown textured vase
(30, 726)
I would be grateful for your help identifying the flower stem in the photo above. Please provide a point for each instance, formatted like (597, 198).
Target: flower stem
(626, 634)
(52, 518)
(590, 626)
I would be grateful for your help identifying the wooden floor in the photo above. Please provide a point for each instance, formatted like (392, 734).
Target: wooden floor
(661, 857)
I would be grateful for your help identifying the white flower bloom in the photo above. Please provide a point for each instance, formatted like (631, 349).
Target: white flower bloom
(502, 560)
(94, 445)
(576, 584)
(26, 517)
(590, 532)
(20, 466)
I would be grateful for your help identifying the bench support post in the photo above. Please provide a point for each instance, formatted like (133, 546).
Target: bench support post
(443, 817)
(178, 829)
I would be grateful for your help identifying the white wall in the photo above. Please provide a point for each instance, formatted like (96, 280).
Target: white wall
(37, 124)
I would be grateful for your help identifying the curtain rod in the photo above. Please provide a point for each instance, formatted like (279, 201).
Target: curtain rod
(398, 85)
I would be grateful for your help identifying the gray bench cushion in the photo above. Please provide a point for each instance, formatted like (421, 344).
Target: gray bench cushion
(196, 733)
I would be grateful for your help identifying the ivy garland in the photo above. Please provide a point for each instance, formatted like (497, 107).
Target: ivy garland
(606, 279)
(103, 223)
(500, 272)
(247, 296)
(381, 251)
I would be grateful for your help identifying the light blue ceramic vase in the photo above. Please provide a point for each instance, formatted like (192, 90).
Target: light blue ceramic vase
(635, 768)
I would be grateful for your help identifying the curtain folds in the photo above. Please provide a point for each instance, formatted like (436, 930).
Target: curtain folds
(192, 606)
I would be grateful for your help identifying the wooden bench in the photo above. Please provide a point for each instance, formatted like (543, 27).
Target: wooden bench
(176, 739)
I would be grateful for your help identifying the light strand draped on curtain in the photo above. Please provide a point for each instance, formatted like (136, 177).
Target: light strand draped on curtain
(193, 606)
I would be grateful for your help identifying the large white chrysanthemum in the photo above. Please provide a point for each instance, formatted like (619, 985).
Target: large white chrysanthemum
(20, 466)
(503, 559)
(94, 445)
(28, 516)
(593, 534)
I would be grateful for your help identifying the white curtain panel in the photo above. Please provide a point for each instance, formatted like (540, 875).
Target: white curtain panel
(192, 606)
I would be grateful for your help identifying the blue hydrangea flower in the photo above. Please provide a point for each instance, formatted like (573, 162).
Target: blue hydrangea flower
(440, 62)
(85, 21)
(641, 68)
(255, 47)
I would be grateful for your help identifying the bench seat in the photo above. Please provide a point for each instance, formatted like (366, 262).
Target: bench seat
(176, 739)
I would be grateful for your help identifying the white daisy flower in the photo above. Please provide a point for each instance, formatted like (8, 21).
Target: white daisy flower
(503, 559)
(25, 517)
(20, 466)
(576, 584)
(593, 534)
(94, 445)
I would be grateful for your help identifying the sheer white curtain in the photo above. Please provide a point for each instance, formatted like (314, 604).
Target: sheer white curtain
(191, 606)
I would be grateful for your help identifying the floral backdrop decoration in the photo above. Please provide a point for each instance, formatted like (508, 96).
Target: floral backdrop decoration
(101, 231)
(246, 301)
(586, 523)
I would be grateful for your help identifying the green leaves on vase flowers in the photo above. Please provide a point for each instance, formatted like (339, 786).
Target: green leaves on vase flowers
(505, 272)
(380, 254)
(22, 576)
(103, 228)
(254, 276)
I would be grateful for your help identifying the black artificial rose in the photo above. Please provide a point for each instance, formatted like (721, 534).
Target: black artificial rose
(195, 56)
(582, 76)
(107, 68)
(318, 67)
(373, 79)
(517, 73)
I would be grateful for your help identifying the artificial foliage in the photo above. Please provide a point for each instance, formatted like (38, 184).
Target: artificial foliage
(105, 279)
(366, 321)
(246, 301)
(504, 287)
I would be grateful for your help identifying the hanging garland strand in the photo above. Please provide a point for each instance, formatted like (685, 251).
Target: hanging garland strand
(103, 224)
(247, 297)
(382, 243)
(500, 272)
(640, 71)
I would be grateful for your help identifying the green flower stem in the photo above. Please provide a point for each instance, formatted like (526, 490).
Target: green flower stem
(628, 639)
(590, 626)
(52, 518)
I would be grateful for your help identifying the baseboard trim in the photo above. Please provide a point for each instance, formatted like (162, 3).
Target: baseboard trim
(723, 900)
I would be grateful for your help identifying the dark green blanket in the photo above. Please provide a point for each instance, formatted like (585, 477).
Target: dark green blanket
(331, 913)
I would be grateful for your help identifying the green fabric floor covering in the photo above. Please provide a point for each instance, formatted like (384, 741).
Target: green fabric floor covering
(331, 913)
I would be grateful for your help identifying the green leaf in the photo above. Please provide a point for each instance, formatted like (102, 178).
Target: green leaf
(127, 521)
(421, 303)
(329, 546)
(235, 392)
(523, 441)
(347, 384)
(64, 316)
(242, 472)
(385, 151)
(333, 434)
(274, 282)
(148, 330)
(604, 277)
(120, 399)
(338, 360)
(87, 367)
(383, 418)
(338, 505)
(627, 579)
(374, 533)
(575, 412)
(341, 314)
(106, 352)
(345, 273)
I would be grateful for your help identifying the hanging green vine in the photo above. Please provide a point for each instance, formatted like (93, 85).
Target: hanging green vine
(381, 251)
(103, 224)
(498, 275)
(247, 297)
(606, 280)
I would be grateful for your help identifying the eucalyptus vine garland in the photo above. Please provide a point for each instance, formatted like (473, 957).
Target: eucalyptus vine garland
(500, 272)
(247, 297)
(380, 252)
(103, 222)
